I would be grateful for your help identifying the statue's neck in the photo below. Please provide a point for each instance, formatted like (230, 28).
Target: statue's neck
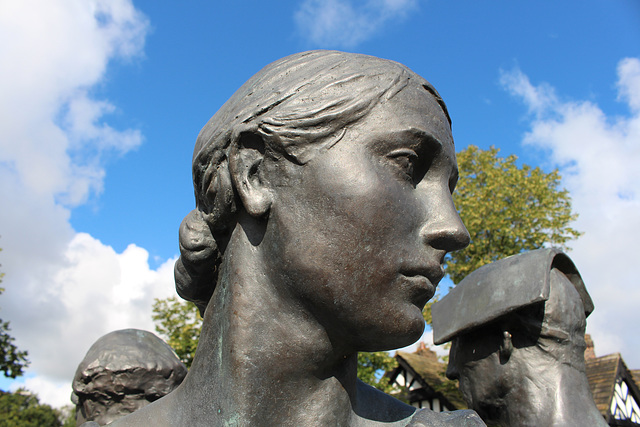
(552, 396)
(263, 360)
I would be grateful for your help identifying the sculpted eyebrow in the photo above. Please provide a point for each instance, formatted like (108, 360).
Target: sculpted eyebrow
(430, 142)
(424, 140)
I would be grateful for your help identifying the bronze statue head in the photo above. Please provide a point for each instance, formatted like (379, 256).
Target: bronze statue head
(323, 216)
(519, 338)
(288, 113)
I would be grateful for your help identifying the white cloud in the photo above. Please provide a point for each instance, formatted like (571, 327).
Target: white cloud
(54, 393)
(61, 311)
(598, 156)
(95, 291)
(537, 98)
(347, 23)
(64, 289)
(53, 53)
(629, 82)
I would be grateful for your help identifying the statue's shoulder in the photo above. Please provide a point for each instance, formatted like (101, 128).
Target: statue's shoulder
(376, 405)
(428, 418)
(160, 413)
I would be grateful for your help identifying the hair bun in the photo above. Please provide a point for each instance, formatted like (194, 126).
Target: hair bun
(197, 268)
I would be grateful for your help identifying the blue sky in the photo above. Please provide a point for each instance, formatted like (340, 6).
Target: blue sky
(103, 99)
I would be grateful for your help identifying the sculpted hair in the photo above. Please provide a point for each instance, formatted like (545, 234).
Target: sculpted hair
(298, 106)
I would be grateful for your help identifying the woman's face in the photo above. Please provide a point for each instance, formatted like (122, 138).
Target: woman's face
(358, 235)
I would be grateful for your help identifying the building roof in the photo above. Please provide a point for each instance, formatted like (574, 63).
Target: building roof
(602, 373)
(430, 372)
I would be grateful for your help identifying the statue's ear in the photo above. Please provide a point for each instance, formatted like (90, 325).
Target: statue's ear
(245, 160)
(506, 346)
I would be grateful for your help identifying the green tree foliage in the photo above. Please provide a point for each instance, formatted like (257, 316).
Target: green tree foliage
(507, 209)
(426, 312)
(178, 323)
(12, 360)
(23, 409)
(67, 415)
(372, 365)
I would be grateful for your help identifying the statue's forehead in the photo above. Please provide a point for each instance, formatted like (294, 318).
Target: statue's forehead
(413, 110)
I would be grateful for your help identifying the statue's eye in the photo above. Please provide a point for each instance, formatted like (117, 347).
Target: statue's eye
(405, 160)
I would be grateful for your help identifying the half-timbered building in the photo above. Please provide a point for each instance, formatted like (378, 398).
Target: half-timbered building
(614, 387)
(419, 379)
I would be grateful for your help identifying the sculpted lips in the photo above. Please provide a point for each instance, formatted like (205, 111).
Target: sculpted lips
(433, 273)
(422, 282)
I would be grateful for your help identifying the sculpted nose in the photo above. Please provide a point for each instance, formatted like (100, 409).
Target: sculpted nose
(444, 229)
(452, 372)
